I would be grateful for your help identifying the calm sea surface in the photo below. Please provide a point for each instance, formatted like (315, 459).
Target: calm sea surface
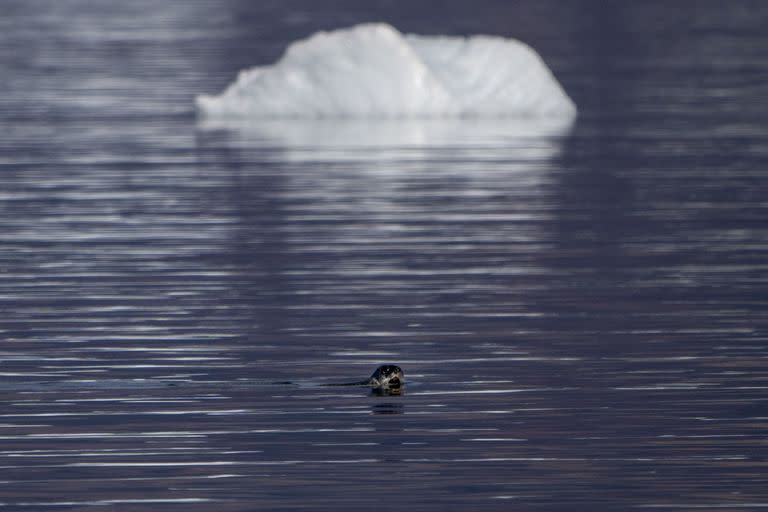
(580, 310)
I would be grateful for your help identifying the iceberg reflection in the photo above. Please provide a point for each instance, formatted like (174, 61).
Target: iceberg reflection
(344, 139)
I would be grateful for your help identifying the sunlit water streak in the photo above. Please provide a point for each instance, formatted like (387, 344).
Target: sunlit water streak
(579, 309)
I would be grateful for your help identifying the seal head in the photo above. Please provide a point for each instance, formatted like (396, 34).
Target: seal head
(387, 377)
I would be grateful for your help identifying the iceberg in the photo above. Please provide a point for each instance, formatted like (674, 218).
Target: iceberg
(374, 71)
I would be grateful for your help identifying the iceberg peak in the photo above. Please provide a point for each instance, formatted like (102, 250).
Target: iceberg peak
(374, 71)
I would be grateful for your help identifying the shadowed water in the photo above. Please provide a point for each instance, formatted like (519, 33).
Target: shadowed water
(579, 309)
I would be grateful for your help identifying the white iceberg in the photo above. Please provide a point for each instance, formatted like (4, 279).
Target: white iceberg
(374, 71)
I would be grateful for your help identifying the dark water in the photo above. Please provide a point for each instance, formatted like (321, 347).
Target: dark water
(581, 312)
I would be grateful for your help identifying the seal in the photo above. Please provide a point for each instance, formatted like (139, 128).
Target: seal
(388, 379)
(388, 376)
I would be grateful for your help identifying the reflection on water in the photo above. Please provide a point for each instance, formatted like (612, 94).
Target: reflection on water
(579, 310)
(422, 139)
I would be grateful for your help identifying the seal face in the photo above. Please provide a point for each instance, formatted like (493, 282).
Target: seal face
(388, 376)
